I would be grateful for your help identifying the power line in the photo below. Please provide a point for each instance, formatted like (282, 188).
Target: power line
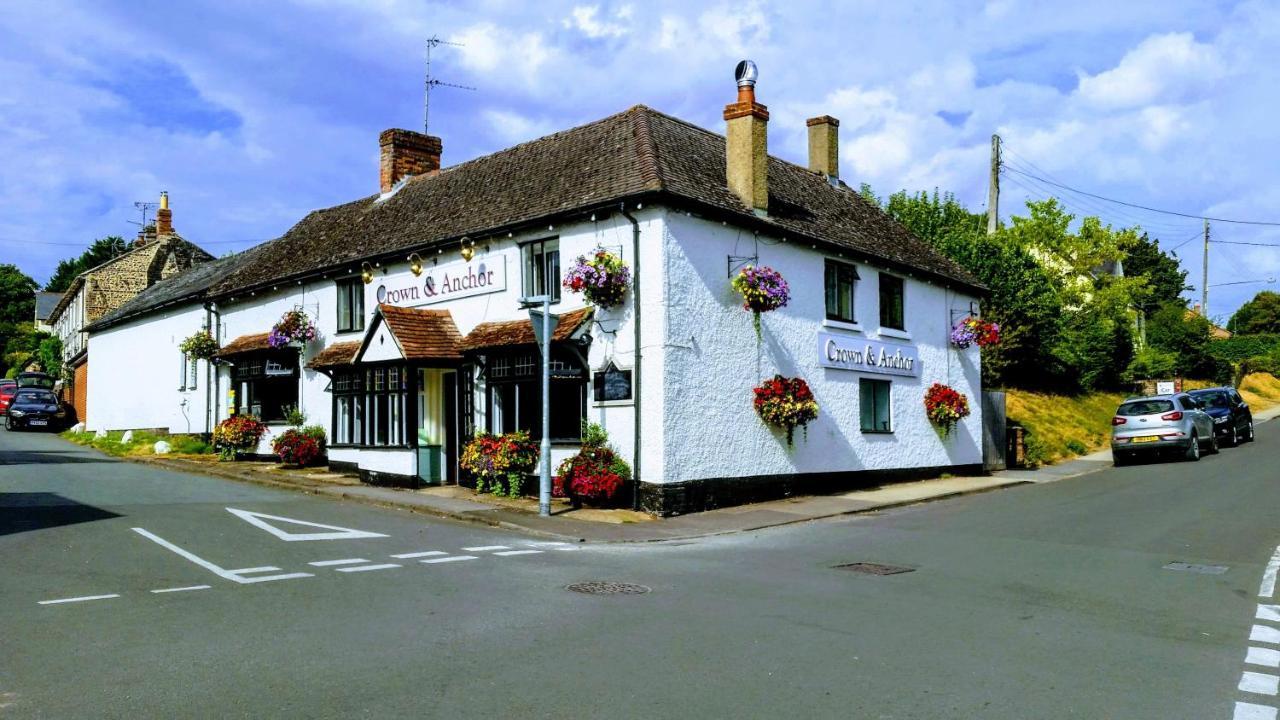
(1241, 242)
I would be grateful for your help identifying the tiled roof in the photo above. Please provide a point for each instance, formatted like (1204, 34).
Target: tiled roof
(170, 244)
(45, 303)
(187, 285)
(423, 334)
(244, 344)
(341, 353)
(520, 332)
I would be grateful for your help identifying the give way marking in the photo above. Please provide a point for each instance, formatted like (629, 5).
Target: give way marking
(232, 575)
(337, 533)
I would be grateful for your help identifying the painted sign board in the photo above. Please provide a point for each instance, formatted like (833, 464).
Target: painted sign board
(867, 356)
(1165, 387)
(444, 282)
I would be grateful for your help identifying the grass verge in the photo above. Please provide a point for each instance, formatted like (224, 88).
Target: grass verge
(143, 443)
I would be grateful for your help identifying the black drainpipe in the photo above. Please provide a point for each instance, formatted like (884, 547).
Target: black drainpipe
(635, 370)
(213, 322)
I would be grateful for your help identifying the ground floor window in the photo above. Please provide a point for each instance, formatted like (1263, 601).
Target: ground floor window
(266, 385)
(369, 406)
(874, 404)
(515, 395)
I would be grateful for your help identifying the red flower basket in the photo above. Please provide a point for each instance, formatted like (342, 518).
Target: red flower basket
(786, 403)
(945, 406)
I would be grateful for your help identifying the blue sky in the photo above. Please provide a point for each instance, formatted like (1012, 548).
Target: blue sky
(252, 114)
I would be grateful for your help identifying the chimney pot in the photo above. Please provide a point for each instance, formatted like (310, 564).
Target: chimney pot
(824, 146)
(405, 153)
(164, 216)
(747, 143)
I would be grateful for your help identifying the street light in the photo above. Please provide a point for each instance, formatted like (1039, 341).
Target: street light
(544, 323)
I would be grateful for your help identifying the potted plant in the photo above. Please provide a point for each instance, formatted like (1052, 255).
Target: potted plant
(499, 462)
(595, 473)
(237, 433)
(763, 289)
(199, 345)
(602, 278)
(945, 406)
(299, 446)
(972, 330)
(294, 328)
(786, 403)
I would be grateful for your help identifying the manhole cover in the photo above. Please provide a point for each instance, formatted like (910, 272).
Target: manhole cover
(1194, 568)
(607, 588)
(875, 568)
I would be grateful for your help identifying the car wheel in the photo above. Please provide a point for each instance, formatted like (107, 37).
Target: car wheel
(1193, 449)
(1249, 435)
(8, 423)
(1119, 459)
(1213, 444)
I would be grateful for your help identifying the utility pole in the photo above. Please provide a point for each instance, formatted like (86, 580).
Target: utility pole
(993, 188)
(1204, 278)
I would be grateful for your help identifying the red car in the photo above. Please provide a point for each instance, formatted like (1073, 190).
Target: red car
(7, 389)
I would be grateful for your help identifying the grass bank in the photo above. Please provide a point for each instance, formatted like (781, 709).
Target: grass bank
(143, 443)
(1060, 427)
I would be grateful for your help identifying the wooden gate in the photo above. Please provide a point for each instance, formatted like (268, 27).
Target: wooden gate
(993, 430)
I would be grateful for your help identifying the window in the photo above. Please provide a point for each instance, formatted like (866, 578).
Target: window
(350, 305)
(193, 366)
(839, 281)
(266, 384)
(873, 396)
(612, 384)
(542, 269)
(515, 399)
(891, 315)
(182, 372)
(369, 406)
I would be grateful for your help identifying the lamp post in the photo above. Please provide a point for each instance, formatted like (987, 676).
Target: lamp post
(544, 324)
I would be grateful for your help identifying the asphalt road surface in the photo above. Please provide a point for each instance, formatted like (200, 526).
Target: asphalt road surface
(133, 592)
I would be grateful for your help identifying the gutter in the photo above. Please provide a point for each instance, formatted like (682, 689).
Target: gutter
(635, 371)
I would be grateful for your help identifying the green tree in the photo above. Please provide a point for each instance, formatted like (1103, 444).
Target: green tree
(1166, 279)
(17, 296)
(1259, 315)
(1172, 328)
(50, 353)
(100, 251)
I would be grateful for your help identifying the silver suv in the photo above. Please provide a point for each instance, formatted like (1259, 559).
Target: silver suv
(1159, 423)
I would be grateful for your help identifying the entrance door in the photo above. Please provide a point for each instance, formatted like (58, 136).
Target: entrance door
(430, 426)
(451, 442)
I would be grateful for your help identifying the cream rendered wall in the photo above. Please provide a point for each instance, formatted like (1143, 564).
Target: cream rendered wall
(713, 361)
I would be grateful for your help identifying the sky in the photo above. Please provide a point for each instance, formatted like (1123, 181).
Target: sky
(253, 114)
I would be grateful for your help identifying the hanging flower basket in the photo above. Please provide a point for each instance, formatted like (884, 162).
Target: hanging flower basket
(786, 403)
(945, 406)
(294, 328)
(763, 289)
(972, 330)
(199, 345)
(602, 278)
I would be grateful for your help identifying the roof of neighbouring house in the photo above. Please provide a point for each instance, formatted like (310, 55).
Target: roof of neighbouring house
(170, 241)
(191, 284)
(520, 332)
(423, 334)
(337, 354)
(45, 303)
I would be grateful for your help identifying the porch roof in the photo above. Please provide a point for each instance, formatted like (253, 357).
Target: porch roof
(423, 334)
(337, 354)
(245, 344)
(520, 332)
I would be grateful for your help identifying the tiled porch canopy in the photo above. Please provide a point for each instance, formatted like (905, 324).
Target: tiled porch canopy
(520, 332)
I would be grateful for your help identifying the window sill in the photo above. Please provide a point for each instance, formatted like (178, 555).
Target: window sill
(893, 333)
(877, 432)
(612, 403)
(841, 325)
(356, 331)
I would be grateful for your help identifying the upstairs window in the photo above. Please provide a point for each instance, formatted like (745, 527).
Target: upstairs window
(891, 302)
(350, 305)
(840, 278)
(542, 269)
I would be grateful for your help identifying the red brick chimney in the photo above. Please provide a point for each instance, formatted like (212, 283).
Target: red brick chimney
(164, 216)
(406, 153)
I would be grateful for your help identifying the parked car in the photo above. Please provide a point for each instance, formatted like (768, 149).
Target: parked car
(36, 379)
(1161, 423)
(7, 389)
(34, 408)
(1232, 419)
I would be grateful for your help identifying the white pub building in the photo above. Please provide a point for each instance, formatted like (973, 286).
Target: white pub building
(423, 341)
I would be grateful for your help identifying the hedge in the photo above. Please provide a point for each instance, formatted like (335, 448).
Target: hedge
(1242, 347)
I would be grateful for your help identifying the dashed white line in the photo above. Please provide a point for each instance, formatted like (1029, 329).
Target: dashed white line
(1264, 633)
(347, 561)
(1268, 587)
(1263, 656)
(486, 548)
(1259, 683)
(1249, 711)
(518, 552)
(425, 553)
(84, 598)
(365, 568)
(1268, 612)
(451, 558)
(182, 589)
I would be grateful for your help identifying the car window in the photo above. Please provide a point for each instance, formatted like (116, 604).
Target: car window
(1144, 407)
(29, 396)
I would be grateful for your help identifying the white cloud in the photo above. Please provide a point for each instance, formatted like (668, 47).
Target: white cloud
(1160, 69)
(489, 49)
(586, 19)
(513, 128)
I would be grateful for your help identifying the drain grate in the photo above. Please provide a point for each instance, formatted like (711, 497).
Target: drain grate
(875, 568)
(607, 588)
(1194, 568)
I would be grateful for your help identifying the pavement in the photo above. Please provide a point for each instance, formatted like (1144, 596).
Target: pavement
(131, 590)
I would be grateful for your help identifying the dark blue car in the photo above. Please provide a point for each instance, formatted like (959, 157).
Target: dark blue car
(1232, 419)
(35, 408)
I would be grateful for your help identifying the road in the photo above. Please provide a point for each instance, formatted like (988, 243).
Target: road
(1040, 601)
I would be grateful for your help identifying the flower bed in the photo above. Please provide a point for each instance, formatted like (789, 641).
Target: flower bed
(237, 434)
(499, 462)
(293, 327)
(602, 278)
(786, 403)
(763, 289)
(972, 330)
(945, 406)
(199, 345)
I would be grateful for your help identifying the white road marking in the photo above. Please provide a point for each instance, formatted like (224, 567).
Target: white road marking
(364, 568)
(425, 553)
(552, 545)
(78, 599)
(1260, 683)
(486, 548)
(183, 589)
(215, 569)
(1249, 711)
(1263, 656)
(248, 571)
(1264, 633)
(1268, 587)
(518, 552)
(451, 558)
(339, 533)
(1268, 612)
(347, 561)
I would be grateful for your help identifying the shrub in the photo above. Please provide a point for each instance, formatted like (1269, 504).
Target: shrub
(1076, 447)
(1150, 364)
(238, 432)
(293, 416)
(595, 473)
(296, 447)
(499, 462)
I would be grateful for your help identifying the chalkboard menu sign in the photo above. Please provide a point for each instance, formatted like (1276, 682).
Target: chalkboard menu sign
(612, 384)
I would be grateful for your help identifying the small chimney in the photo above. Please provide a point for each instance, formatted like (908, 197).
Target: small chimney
(747, 147)
(406, 153)
(164, 216)
(824, 146)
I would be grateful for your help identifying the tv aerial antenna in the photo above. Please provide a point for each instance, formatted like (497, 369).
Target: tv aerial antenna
(432, 81)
